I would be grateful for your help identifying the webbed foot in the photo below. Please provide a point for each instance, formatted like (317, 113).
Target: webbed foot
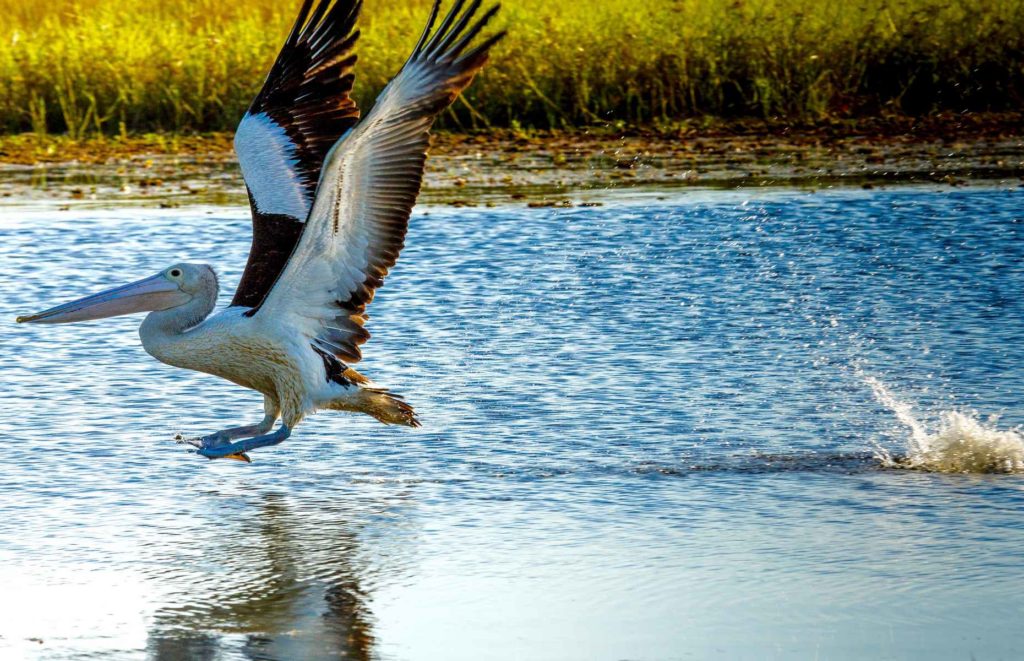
(210, 442)
(218, 449)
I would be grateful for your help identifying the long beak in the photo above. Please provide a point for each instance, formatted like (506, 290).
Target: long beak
(153, 293)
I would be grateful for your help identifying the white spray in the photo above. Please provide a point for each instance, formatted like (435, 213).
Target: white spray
(961, 444)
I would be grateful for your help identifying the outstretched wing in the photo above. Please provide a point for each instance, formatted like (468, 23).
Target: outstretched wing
(370, 182)
(302, 110)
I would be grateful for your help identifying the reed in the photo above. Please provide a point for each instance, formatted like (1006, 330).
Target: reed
(127, 66)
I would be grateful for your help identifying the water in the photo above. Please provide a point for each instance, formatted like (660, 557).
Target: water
(649, 432)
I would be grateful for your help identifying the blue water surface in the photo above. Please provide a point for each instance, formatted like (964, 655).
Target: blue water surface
(646, 436)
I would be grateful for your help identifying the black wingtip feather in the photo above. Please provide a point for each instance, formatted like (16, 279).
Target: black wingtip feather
(442, 30)
(478, 55)
(316, 20)
(300, 23)
(456, 49)
(452, 37)
(426, 30)
(322, 30)
(457, 28)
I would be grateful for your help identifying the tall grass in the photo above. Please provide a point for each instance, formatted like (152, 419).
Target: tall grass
(85, 66)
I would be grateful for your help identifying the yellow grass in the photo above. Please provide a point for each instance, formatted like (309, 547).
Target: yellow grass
(116, 66)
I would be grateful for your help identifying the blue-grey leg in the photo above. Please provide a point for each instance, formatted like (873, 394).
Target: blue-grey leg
(218, 450)
(226, 435)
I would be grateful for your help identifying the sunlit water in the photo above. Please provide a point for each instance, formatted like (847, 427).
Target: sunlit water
(651, 431)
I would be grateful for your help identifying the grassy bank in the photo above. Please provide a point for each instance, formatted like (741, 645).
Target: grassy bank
(128, 66)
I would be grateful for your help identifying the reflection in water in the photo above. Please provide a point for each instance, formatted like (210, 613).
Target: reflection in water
(267, 600)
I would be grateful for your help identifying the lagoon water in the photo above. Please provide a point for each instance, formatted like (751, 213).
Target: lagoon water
(652, 430)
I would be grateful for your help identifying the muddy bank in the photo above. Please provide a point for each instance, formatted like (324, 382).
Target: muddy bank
(550, 168)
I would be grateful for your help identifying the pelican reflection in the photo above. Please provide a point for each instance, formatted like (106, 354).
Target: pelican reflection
(286, 584)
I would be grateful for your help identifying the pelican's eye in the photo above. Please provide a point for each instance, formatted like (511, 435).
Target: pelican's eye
(175, 273)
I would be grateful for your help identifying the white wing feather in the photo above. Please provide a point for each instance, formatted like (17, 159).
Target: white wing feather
(368, 186)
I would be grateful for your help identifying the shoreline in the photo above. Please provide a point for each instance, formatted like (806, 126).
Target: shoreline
(541, 167)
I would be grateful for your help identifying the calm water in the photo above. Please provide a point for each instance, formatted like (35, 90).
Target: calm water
(647, 435)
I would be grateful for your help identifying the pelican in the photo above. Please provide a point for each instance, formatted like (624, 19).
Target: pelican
(330, 195)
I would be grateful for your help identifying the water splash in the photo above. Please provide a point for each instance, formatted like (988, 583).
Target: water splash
(961, 444)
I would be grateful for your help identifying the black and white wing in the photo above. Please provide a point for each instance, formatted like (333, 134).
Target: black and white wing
(370, 182)
(303, 109)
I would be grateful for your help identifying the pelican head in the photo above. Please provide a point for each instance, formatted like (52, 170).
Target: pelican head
(173, 287)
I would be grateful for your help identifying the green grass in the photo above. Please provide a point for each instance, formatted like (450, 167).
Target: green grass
(126, 66)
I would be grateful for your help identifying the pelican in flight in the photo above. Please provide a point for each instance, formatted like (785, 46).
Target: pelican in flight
(331, 195)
